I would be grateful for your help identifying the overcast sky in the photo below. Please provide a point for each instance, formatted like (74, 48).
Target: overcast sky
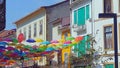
(16, 9)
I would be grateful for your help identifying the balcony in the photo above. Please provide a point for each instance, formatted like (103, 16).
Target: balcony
(79, 29)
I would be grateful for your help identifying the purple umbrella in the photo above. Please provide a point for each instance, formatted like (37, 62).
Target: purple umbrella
(10, 48)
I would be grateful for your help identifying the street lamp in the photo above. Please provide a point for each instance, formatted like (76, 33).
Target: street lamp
(114, 16)
(22, 60)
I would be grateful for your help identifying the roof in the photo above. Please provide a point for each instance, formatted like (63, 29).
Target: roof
(36, 12)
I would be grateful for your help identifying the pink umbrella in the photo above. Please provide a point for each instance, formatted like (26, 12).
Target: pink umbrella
(10, 48)
(67, 42)
(54, 41)
(2, 50)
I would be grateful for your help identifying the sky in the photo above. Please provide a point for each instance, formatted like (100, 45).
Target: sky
(17, 9)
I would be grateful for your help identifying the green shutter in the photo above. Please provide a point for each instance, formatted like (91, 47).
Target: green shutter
(81, 16)
(81, 47)
(75, 17)
(109, 66)
(87, 42)
(87, 12)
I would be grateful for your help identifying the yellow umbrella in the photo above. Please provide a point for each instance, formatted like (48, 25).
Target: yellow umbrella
(62, 40)
(38, 40)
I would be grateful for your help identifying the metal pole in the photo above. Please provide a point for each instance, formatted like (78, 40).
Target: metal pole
(115, 41)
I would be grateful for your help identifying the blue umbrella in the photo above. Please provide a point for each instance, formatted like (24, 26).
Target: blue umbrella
(30, 40)
(3, 43)
(50, 49)
(45, 42)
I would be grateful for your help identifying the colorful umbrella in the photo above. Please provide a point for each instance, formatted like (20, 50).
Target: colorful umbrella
(38, 40)
(50, 49)
(14, 40)
(67, 42)
(3, 43)
(45, 43)
(10, 48)
(79, 38)
(54, 41)
(30, 40)
(21, 37)
(8, 39)
(70, 38)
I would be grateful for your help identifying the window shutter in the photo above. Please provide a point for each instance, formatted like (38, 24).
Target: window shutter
(87, 12)
(81, 47)
(75, 17)
(81, 16)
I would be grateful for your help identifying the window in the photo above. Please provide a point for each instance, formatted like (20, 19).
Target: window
(29, 36)
(41, 27)
(107, 6)
(108, 37)
(25, 33)
(119, 6)
(109, 66)
(81, 14)
(35, 30)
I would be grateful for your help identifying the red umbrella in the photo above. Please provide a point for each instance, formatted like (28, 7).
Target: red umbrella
(79, 38)
(20, 37)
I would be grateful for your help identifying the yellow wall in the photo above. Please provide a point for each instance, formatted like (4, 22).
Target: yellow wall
(65, 50)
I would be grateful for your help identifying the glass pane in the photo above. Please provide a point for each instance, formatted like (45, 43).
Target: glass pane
(108, 40)
(81, 16)
(108, 28)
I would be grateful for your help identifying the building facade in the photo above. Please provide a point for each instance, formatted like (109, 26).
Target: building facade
(87, 12)
(33, 25)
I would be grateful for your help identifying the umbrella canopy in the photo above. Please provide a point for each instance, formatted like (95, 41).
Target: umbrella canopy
(14, 40)
(10, 48)
(70, 38)
(50, 49)
(45, 43)
(30, 40)
(3, 43)
(38, 40)
(67, 42)
(21, 37)
(54, 41)
(8, 39)
(79, 38)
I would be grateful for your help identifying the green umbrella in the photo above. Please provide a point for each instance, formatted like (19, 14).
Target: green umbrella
(14, 40)
(70, 38)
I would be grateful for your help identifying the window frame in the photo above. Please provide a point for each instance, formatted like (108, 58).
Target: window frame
(104, 5)
(40, 27)
(35, 29)
(106, 49)
(109, 64)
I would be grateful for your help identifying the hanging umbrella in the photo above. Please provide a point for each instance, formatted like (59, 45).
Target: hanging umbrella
(54, 41)
(34, 47)
(3, 43)
(79, 38)
(14, 40)
(2, 47)
(50, 49)
(30, 40)
(45, 43)
(70, 38)
(12, 44)
(8, 39)
(2, 50)
(67, 42)
(38, 40)
(62, 40)
(10, 48)
(20, 37)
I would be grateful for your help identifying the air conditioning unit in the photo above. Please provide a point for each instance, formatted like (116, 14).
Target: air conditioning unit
(60, 27)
